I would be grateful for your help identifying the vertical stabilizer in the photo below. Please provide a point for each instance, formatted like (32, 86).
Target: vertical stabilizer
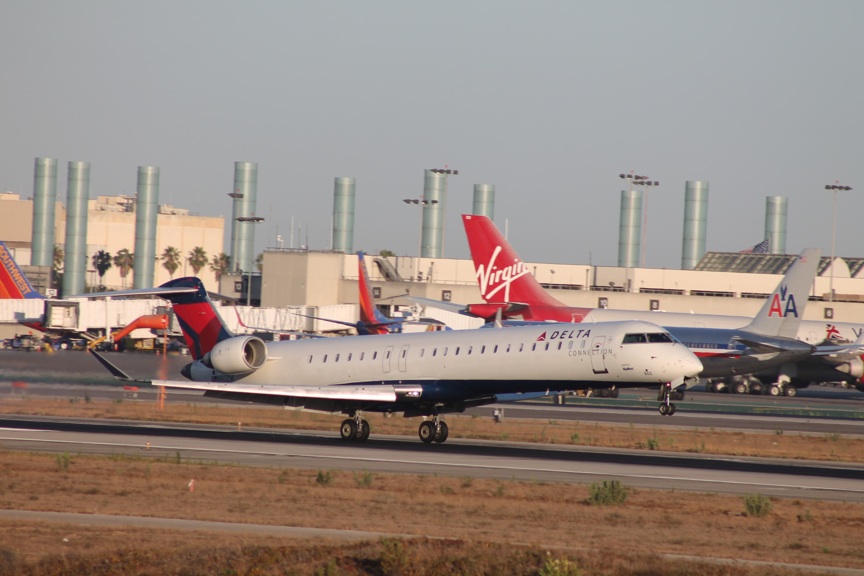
(370, 317)
(502, 275)
(13, 283)
(782, 313)
(201, 324)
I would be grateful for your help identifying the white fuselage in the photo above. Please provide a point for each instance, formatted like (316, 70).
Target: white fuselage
(473, 362)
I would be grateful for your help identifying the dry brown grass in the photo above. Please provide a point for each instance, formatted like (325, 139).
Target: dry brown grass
(828, 447)
(469, 510)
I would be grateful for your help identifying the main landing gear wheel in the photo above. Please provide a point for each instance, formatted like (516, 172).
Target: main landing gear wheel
(354, 429)
(442, 433)
(433, 431)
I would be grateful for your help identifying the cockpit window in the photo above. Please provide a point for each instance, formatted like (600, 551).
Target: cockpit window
(659, 337)
(653, 337)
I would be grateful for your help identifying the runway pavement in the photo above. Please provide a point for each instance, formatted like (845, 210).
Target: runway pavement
(461, 458)
(824, 411)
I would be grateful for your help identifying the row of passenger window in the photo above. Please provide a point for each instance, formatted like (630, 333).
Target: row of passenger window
(467, 350)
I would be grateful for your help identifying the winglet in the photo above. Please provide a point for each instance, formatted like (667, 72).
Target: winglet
(782, 313)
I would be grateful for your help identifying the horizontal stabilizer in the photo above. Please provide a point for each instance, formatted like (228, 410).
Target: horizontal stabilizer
(114, 370)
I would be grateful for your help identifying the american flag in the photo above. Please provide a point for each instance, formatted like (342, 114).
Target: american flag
(760, 248)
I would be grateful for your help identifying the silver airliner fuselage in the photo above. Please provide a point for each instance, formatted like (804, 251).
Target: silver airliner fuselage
(427, 373)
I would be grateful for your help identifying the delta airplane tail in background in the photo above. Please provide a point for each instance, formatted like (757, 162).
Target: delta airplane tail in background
(13, 283)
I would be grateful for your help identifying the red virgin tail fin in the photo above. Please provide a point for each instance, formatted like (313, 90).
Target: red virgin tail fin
(501, 274)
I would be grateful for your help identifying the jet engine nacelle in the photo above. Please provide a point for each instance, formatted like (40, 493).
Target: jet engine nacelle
(854, 368)
(238, 355)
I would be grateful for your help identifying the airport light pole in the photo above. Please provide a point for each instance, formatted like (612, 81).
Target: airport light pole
(419, 202)
(640, 180)
(834, 188)
(252, 220)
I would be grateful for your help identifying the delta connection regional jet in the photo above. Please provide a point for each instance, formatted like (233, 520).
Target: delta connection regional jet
(419, 374)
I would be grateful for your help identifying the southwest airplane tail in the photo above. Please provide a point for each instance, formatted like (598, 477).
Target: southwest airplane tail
(505, 282)
(13, 283)
(372, 321)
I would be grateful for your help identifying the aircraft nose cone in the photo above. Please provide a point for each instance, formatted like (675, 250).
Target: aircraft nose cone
(186, 371)
(691, 364)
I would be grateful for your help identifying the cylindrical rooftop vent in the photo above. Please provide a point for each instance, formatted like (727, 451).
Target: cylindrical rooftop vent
(432, 236)
(776, 208)
(343, 215)
(243, 221)
(146, 215)
(75, 262)
(484, 200)
(44, 201)
(695, 223)
(630, 229)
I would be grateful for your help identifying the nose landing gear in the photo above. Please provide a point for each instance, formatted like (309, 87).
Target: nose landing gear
(667, 408)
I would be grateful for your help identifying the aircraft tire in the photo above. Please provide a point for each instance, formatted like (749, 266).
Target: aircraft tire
(671, 409)
(364, 433)
(791, 391)
(740, 388)
(775, 390)
(664, 409)
(348, 429)
(613, 393)
(427, 432)
(443, 433)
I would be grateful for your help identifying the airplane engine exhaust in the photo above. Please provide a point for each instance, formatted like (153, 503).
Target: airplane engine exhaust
(854, 368)
(239, 355)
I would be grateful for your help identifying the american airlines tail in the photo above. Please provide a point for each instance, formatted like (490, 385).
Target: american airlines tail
(502, 275)
(13, 283)
(782, 312)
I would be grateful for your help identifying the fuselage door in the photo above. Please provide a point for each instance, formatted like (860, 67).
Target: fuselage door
(598, 355)
(403, 357)
(385, 366)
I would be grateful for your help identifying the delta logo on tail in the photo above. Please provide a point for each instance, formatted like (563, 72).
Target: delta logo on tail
(13, 283)
(783, 304)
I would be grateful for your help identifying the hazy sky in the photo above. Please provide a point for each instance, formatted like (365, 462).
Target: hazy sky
(549, 101)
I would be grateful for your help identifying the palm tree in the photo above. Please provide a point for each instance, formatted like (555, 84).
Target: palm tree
(197, 258)
(57, 266)
(124, 261)
(219, 265)
(102, 262)
(170, 260)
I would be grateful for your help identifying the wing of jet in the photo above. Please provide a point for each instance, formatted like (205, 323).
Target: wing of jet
(419, 374)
